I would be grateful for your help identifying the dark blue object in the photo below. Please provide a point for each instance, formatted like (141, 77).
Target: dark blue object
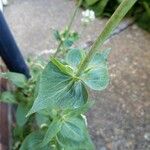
(9, 50)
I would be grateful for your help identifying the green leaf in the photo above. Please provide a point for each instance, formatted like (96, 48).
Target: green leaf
(41, 119)
(68, 42)
(72, 145)
(57, 35)
(144, 22)
(72, 37)
(18, 131)
(7, 97)
(100, 58)
(79, 111)
(58, 90)
(96, 79)
(33, 142)
(96, 75)
(52, 131)
(74, 136)
(17, 79)
(73, 129)
(64, 68)
(64, 33)
(91, 2)
(119, 1)
(74, 57)
(21, 114)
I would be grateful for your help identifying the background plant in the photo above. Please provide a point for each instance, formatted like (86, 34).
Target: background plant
(105, 8)
(56, 117)
(22, 97)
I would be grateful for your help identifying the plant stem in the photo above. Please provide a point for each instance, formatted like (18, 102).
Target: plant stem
(69, 26)
(58, 48)
(109, 27)
(74, 14)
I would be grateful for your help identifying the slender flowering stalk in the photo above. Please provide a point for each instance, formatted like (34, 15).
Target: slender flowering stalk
(109, 27)
(74, 14)
(69, 26)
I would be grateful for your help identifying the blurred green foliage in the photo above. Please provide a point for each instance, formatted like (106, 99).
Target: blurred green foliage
(105, 8)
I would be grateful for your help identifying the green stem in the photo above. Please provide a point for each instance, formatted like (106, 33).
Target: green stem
(69, 26)
(109, 27)
(58, 48)
(73, 16)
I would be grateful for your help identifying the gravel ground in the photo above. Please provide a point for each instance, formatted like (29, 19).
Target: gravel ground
(120, 119)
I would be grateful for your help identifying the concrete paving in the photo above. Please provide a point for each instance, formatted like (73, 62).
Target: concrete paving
(120, 119)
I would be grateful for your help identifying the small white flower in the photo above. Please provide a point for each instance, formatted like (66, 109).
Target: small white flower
(88, 16)
(92, 15)
(85, 20)
(86, 13)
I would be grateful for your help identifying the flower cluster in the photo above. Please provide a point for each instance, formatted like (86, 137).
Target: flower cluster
(87, 16)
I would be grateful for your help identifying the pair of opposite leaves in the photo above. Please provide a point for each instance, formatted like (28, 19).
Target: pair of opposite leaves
(60, 88)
